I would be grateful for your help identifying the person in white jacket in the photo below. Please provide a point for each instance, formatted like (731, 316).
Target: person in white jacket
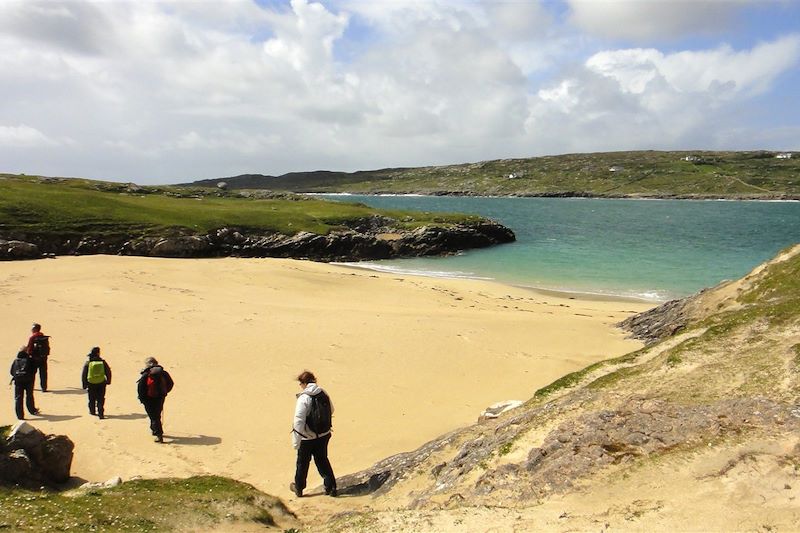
(311, 433)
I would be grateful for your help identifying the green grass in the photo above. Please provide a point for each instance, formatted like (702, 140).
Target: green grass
(642, 173)
(194, 504)
(36, 205)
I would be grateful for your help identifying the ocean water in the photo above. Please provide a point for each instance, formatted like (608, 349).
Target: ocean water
(649, 249)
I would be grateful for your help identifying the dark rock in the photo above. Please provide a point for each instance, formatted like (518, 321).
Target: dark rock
(29, 458)
(14, 250)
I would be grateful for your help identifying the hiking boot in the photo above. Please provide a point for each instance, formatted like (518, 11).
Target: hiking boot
(92, 413)
(332, 493)
(35, 412)
(101, 416)
(159, 438)
(297, 492)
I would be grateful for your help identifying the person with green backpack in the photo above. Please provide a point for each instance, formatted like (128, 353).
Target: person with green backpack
(95, 376)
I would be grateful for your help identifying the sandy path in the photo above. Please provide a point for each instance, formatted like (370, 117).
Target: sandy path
(404, 359)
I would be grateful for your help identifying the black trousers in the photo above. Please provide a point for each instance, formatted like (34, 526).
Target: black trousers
(24, 390)
(97, 398)
(154, 407)
(41, 366)
(318, 449)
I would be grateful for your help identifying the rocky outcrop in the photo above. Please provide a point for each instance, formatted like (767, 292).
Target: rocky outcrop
(364, 239)
(14, 250)
(660, 322)
(30, 459)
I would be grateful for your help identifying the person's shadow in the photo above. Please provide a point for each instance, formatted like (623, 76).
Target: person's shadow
(197, 440)
(68, 390)
(55, 418)
(131, 416)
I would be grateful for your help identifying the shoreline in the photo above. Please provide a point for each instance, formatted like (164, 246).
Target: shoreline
(779, 198)
(545, 291)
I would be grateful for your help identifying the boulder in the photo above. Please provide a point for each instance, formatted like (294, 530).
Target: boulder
(11, 250)
(30, 457)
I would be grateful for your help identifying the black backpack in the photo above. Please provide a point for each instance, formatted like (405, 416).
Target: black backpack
(41, 347)
(320, 415)
(22, 369)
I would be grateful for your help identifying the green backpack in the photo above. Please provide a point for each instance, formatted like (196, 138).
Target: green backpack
(96, 373)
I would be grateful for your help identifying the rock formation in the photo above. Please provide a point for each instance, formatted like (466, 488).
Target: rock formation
(364, 239)
(30, 459)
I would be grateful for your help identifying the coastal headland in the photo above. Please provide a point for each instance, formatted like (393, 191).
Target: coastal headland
(405, 359)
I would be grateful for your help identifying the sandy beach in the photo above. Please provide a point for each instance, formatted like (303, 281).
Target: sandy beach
(405, 359)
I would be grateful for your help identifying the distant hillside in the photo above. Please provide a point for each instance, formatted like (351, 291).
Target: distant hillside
(698, 431)
(698, 174)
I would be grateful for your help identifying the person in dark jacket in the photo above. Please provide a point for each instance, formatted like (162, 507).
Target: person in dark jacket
(23, 370)
(39, 354)
(153, 386)
(94, 378)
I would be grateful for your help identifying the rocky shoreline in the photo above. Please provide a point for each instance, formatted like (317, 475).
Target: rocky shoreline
(366, 239)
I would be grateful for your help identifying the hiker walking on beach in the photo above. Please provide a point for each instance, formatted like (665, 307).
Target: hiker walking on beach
(153, 386)
(95, 376)
(311, 433)
(39, 349)
(22, 374)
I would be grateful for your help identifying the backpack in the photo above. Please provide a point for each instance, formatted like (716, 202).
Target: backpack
(157, 385)
(41, 347)
(320, 415)
(22, 369)
(96, 373)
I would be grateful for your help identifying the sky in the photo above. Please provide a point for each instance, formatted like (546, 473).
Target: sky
(165, 92)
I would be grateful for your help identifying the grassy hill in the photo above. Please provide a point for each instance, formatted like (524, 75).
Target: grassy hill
(38, 205)
(614, 174)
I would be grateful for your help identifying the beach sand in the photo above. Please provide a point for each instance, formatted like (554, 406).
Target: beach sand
(404, 358)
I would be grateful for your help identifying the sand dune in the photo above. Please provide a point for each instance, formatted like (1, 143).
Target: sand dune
(404, 358)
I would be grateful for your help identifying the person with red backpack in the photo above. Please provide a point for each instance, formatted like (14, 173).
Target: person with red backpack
(22, 373)
(311, 433)
(94, 378)
(153, 386)
(38, 350)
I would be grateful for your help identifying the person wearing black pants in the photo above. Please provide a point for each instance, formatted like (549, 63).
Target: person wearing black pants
(153, 386)
(95, 376)
(311, 442)
(23, 372)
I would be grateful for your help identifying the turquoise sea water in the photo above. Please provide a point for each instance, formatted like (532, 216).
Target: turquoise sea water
(651, 249)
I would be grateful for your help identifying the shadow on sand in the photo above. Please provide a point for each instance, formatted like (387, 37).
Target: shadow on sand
(197, 440)
(68, 390)
(54, 418)
(131, 416)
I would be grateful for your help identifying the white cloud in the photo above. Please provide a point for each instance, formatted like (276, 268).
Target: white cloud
(24, 136)
(653, 19)
(724, 71)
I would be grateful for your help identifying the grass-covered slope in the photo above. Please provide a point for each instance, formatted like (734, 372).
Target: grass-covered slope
(204, 503)
(698, 431)
(643, 173)
(46, 205)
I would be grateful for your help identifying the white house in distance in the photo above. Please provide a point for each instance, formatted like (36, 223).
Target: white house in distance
(691, 158)
(784, 155)
(615, 168)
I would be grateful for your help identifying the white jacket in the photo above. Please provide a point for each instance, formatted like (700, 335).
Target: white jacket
(300, 431)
